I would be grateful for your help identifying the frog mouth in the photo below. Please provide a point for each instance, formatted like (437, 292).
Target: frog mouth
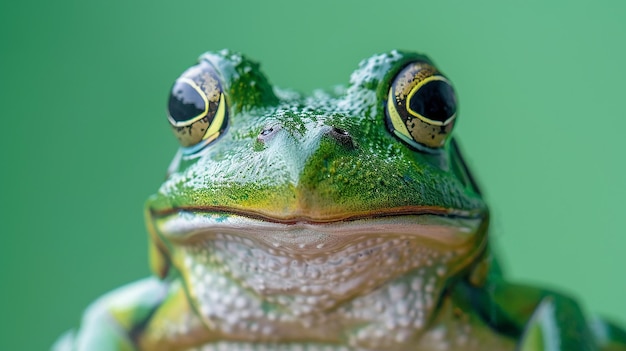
(442, 233)
(446, 227)
(442, 230)
(316, 217)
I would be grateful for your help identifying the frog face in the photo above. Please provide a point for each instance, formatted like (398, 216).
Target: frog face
(306, 208)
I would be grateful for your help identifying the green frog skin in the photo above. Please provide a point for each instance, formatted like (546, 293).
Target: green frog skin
(344, 220)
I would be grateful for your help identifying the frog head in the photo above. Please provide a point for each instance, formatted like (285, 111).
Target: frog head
(306, 204)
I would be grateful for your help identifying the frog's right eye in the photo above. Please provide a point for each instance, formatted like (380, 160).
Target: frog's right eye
(197, 108)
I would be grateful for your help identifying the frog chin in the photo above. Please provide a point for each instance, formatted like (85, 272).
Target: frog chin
(241, 269)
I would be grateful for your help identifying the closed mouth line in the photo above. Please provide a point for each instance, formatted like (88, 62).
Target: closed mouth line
(182, 226)
(304, 219)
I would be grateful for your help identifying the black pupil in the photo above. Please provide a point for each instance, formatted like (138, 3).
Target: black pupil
(185, 102)
(435, 100)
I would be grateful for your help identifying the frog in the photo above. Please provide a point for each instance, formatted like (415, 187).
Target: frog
(346, 219)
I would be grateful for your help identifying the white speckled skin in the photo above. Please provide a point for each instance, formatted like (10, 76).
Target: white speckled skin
(245, 288)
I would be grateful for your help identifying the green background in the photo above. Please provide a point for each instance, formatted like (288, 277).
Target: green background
(85, 138)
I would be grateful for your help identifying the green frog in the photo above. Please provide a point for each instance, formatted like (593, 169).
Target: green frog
(343, 220)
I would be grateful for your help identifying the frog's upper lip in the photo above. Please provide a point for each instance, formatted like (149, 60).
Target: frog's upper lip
(451, 228)
(312, 218)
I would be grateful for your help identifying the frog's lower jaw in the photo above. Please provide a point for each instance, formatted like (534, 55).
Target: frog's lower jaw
(367, 283)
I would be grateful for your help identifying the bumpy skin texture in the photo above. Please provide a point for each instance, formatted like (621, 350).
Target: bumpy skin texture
(316, 223)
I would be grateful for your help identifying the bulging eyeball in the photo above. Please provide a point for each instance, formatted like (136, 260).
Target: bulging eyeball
(421, 107)
(197, 108)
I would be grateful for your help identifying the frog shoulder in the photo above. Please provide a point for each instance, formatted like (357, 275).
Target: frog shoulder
(110, 320)
(609, 336)
(549, 320)
(557, 323)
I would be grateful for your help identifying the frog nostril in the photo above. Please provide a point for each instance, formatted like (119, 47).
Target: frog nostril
(267, 133)
(339, 131)
(342, 136)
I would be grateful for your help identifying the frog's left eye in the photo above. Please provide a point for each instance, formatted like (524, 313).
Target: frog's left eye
(421, 107)
(197, 108)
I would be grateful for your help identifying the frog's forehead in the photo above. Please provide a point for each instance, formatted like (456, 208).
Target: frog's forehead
(372, 75)
(361, 99)
(376, 70)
